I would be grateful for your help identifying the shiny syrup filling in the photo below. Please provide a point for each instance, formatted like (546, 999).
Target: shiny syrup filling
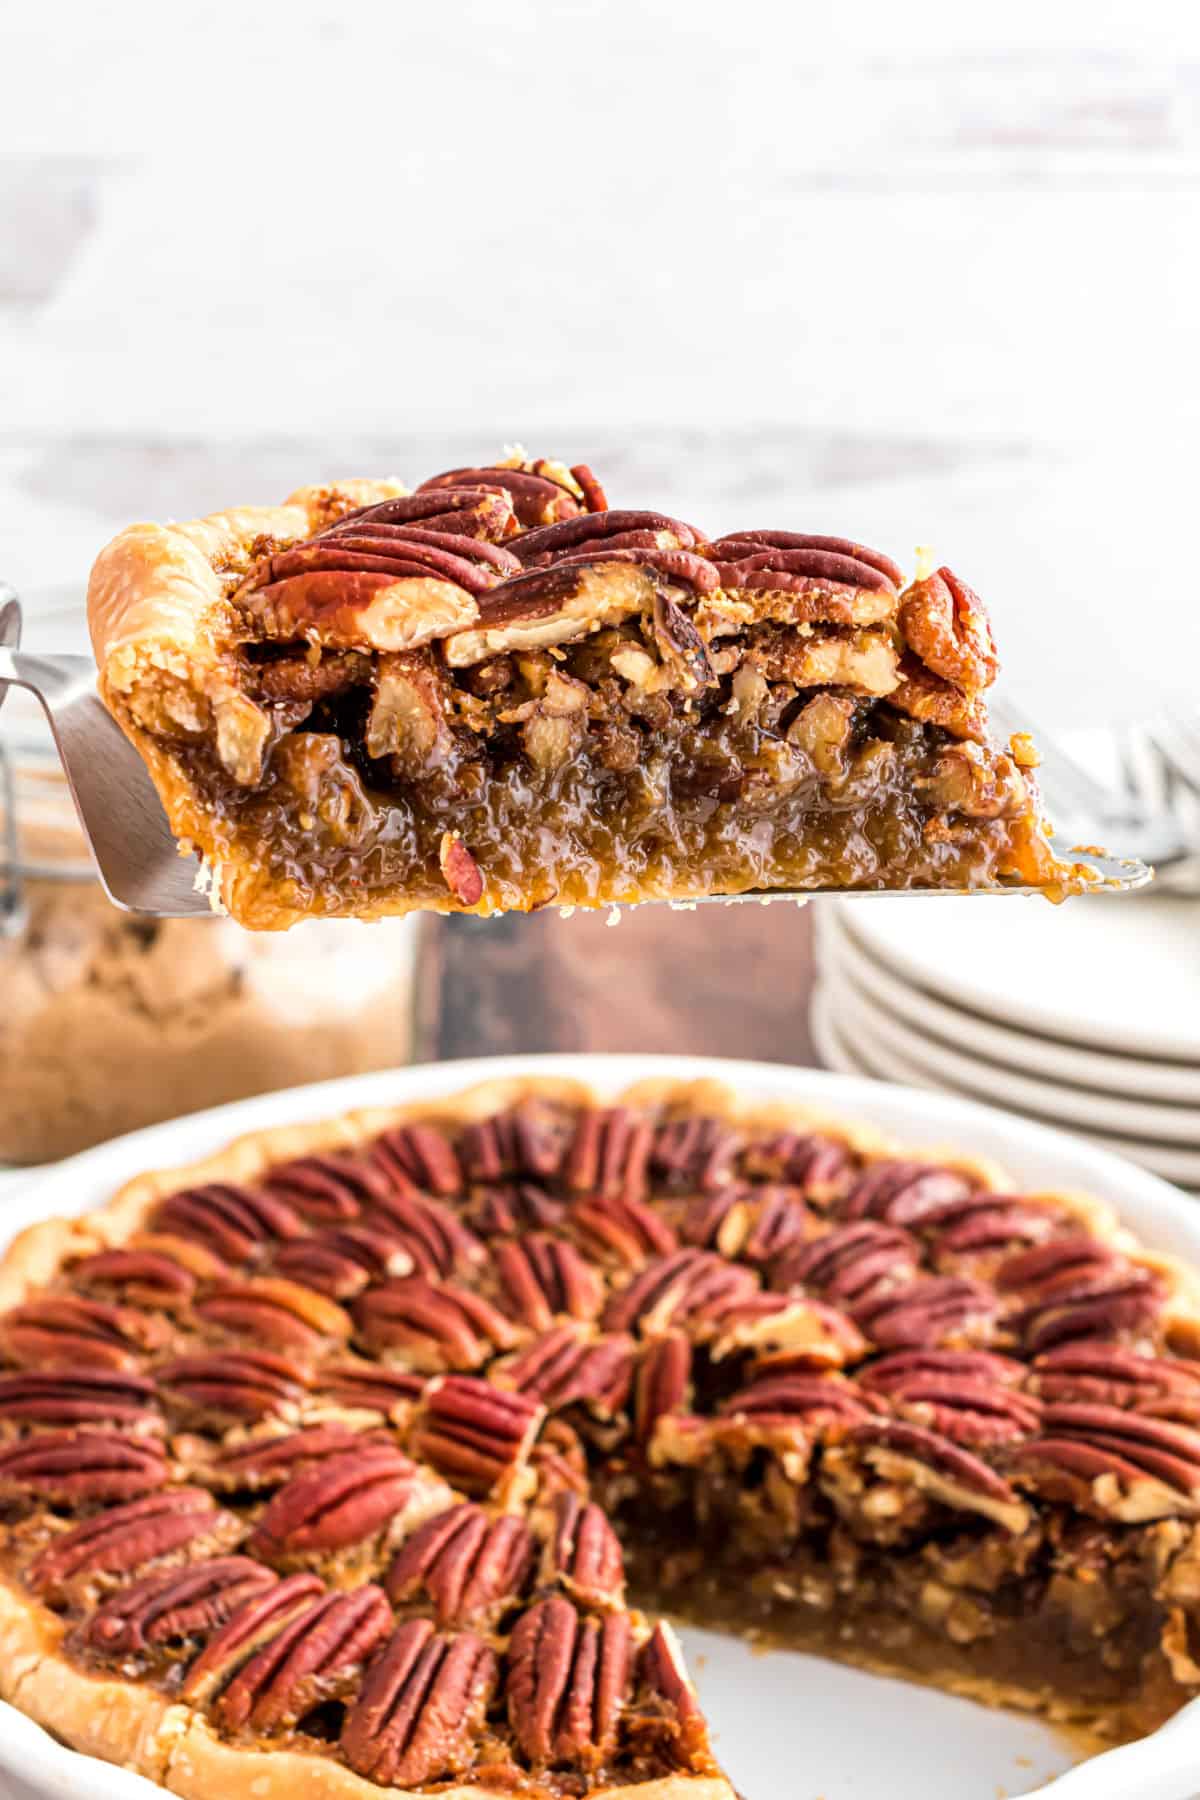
(568, 782)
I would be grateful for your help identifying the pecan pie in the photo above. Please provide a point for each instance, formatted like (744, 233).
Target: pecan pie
(497, 693)
(345, 1459)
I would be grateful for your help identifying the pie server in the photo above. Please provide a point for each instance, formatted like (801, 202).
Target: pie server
(136, 855)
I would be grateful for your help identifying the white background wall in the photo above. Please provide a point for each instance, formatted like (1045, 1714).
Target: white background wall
(918, 273)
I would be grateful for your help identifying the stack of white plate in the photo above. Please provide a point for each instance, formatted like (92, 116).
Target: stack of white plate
(1085, 1015)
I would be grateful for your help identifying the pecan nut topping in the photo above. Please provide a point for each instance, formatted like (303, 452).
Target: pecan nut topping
(316, 1656)
(930, 1311)
(537, 491)
(939, 1467)
(904, 1193)
(582, 1554)
(947, 625)
(365, 1387)
(969, 1397)
(1116, 1461)
(568, 1680)
(1160, 1387)
(474, 1433)
(851, 1264)
(545, 1278)
(81, 1397)
(140, 1276)
(232, 1387)
(124, 1538)
(471, 1567)
(176, 1606)
(67, 1329)
(568, 1367)
(663, 1382)
(694, 1154)
(433, 1326)
(346, 1499)
(256, 1622)
(609, 1154)
(815, 1403)
(676, 1288)
(234, 1223)
(280, 1314)
(341, 1261)
(72, 1469)
(260, 1463)
(421, 1707)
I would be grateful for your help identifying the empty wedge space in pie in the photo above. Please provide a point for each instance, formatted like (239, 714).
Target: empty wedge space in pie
(352, 1457)
(496, 693)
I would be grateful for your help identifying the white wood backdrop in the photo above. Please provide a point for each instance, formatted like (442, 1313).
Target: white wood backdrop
(919, 273)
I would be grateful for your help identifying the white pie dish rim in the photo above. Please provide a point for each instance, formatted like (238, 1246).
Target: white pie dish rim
(1160, 1767)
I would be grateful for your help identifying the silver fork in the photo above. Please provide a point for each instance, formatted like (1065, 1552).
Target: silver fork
(135, 853)
(1143, 814)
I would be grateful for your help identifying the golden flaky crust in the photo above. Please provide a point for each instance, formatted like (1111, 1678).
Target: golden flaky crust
(129, 1723)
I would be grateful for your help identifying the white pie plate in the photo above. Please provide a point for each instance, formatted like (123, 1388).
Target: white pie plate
(789, 1727)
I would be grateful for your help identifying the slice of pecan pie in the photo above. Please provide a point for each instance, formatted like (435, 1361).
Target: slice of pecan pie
(498, 693)
(344, 1460)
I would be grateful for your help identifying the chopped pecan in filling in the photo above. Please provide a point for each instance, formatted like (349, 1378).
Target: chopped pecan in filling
(499, 693)
(535, 1362)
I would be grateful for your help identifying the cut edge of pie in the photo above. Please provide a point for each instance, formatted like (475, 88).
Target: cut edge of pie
(498, 693)
(859, 1391)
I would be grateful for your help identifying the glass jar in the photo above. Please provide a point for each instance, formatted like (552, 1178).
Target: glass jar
(110, 1020)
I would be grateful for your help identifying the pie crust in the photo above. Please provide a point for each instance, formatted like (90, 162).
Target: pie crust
(498, 693)
(825, 1392)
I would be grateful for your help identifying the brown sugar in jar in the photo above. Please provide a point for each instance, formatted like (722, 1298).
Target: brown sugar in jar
(110, 1021)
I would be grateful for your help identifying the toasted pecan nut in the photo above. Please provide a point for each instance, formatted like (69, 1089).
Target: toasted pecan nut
(141, 1277)
(346, 1499)
(538, 498)
(124, 1538)
(235, 1223)
(693, 1153)
(421, 1705)
(511, 1207)
(788, 559)
(175, 1606)
(473, 1433)
(615, 1230)
(460, 871)
(609, 1153)
(821, 1167)
(985, 1223)
(568, 1679)
(594, 497)
(1163, 1387)
(333, 1187)
(663, 1383)
(1114, 1461)
(910, 1194)
(232, 1387)
(85, 1397)
(813, 1402)
(315, 1657)
(485, 512)
(945, 1469)
(929, 699)
(432, 1326)
(1125, 1305)
(530, 1140)
(364, 1386)
(957, 1393)
(260, 1463)
(256, 1622)
(438, 1243)
(687, 1285)
(68, 1329)
(926, 1313)
(569, 1367)
(946, 624)
(341, 1261)
(582, 1554)
(851, 1264)
(544, 1278)
(281, 1314)
(472, 1568)
(421, 1157)
(62, 1468)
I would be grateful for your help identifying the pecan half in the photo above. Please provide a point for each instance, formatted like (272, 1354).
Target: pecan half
(315, 1657)
(341, 1261)
(79, 1397)
(946, 624)
(235, 1223)
(1125, 1305)
(969, 1397)
(62, 1468)
(582, 1554)
(544, 1278)
(439, 1244)
(821, 1167)
(930, 1311)
(483, 511)
(529, 1140)
(614, 1229)
(333, 1188)
(67, 1329)
(676, 1288)
(1160, 1387)
(474, 1433)
(281, 1314)
(813, 1402)
(473, 1569)
(513, 1207)
(569, 1367)
(256, 1622)
(568, 1679)
(421, 1706)
(367, 1387)
(663, 1382)
(693, 1153)
(141, 1277)
(124, 1538)
(432, 1326)
(176, 1606)
(984, 1223)
(460, 871)
(609, 1154)
(230, 1388)
(793, 560)
(422, 1157)
(347, 1499)
(537, 496)
(260, 1463)
(938, 1467)
(904, 1193)
(1115, 1461)
(850, 1264)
